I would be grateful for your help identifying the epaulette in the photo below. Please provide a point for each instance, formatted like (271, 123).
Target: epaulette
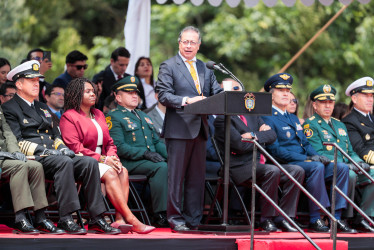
(335, 119)
(311, 118)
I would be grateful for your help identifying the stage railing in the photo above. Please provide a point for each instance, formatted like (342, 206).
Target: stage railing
(256, 187)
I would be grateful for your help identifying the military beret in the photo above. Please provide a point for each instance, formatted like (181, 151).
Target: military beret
(362, 85)
(279, 81)
(29, 69)
(323, 92)
(127, 84)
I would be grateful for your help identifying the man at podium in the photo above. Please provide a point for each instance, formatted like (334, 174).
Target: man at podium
(183, 80)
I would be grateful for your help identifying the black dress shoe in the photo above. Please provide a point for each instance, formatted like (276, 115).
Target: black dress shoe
(71, 227)
(160, 220)
(47, 227)
(180, 228)
(268, 226)
(319, 227)
(344, 228)
(24, 227)
(101, 226)
(363, 226)
(286, 226)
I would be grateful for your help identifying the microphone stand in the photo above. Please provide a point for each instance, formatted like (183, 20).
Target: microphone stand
(232, 75)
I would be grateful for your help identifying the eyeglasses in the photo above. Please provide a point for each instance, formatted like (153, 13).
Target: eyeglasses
(57, 94)
(10, 95)
(79, 67)
(37, 58)
(186, 42)
(294, 101)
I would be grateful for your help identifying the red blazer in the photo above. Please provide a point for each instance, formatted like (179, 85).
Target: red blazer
(80, 134)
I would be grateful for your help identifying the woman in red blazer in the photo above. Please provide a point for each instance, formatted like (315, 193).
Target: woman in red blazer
(84, 130)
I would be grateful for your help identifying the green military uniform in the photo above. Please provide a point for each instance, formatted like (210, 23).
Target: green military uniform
(27, 183)
(317, 130)
(133, 137)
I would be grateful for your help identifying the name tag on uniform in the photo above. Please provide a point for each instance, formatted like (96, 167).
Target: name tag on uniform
(327, 136)
(286, 128)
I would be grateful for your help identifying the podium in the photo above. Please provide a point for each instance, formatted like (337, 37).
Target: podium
(230, 103)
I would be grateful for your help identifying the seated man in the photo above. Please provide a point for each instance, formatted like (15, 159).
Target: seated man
(138, 144)
(360, 127)
(292, 147)
(31, 123)
(26, 180)
(7, 91)
(322, 127)
(269, 176)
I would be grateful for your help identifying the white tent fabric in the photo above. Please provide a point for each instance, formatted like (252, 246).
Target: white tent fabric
(251, 3)
(137, 31)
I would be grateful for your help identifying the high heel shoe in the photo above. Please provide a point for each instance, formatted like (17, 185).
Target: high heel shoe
(146, 230)
(125, 228)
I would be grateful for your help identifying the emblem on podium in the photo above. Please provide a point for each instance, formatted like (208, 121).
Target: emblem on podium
(249, 101)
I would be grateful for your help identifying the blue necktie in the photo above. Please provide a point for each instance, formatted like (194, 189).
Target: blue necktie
(58, 113)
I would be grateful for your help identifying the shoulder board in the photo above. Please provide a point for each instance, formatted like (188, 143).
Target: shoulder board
(312, 118)
(335, 119)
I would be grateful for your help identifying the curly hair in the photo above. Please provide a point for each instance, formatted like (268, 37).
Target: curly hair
(74, 93)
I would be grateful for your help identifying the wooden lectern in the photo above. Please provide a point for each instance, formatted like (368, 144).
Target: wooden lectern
(230, 103)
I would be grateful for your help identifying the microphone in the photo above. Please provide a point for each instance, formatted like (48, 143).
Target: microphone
(212, 65)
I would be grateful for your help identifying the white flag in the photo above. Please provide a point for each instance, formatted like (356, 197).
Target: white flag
(137, 31)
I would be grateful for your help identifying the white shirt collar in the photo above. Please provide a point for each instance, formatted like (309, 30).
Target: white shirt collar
(185, 60)
(361, 112)
(279, 110)
(28, 103)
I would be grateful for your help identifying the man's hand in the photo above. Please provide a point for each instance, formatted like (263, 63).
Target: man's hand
(264, 127)
(19, 156)
(247, 136)
(324, 160)
(153, 156)
(194, 99)
(313, 158)
(68, 152)
(6, 155)
(364, 165)
(51, 152)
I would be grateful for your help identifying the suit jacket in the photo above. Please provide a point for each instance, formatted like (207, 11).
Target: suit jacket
(318, 131)
(63, 79)
(174, 83)
(361, 134)
(34, 129)
(156, 119)
(241, 152)
(133, 136)
(291, 144)
(80, 134)
(108, 80)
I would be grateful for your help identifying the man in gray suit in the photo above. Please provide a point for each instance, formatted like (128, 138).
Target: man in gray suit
(183, 80)
(157, 115)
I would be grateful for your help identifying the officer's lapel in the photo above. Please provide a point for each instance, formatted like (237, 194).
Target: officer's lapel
(282, 118)
(43, 113)
(201, 71)
(27, 110)
(364, 119)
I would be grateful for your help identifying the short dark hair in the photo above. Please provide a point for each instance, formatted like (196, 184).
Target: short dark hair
(3, 62)
(120, 51)
(5, 86)
(74, 56)
(28, 57)
(51, 87)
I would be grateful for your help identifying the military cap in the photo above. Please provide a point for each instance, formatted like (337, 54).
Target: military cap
(29, 69)
(362, 85)
(279, 81)
(127, 84)
(323, 92)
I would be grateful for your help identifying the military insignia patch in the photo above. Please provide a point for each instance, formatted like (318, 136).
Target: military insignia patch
(327, 88)
(149, 121)
(306, 126)
(288, 134)
(284, 77)
(369, 83)
(25, 121)
(367, 137)
(308, 133)
(298, 126)
(325, 132)
(312, 118)
(108, 120)
(132, 79)
(342, 132)
(35, 67)
(249, 101)
(46, 113)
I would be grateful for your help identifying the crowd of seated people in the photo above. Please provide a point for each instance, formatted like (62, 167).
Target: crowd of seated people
(93, 132)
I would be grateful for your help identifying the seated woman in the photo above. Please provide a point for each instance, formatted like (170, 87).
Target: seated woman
(84, 130)
(144, 71)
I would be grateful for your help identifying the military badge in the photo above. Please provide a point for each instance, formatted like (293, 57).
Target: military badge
(149, 121)
(325, 132)
(306, 126)
(298, 126)
(288, 134)
(329, 147)
(327, 88)
(35, 67)
(367, 137)
(108, 120)
(46, 113)
(25, 121)
(342, 132)
(369, 83)
(132, 79)
(308, 133)
(249, 101)
(362, 124)
(284, 77)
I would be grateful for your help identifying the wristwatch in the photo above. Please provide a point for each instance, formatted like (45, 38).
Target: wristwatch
(253, 135)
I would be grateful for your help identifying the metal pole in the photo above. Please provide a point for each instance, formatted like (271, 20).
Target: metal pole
(254, 166)
(333, 198)
(226, 176)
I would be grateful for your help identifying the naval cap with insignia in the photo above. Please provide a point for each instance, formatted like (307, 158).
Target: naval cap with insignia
(279, 81)
(29, 69)
(362, 85)
(323, 93)
(127, 84)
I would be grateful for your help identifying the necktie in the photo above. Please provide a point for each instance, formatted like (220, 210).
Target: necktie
(119, 77)
(330, 124)
(58, 113)
(194, 76)
(32, 106)
(134, 112)
(243, 119)
(370, 117)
